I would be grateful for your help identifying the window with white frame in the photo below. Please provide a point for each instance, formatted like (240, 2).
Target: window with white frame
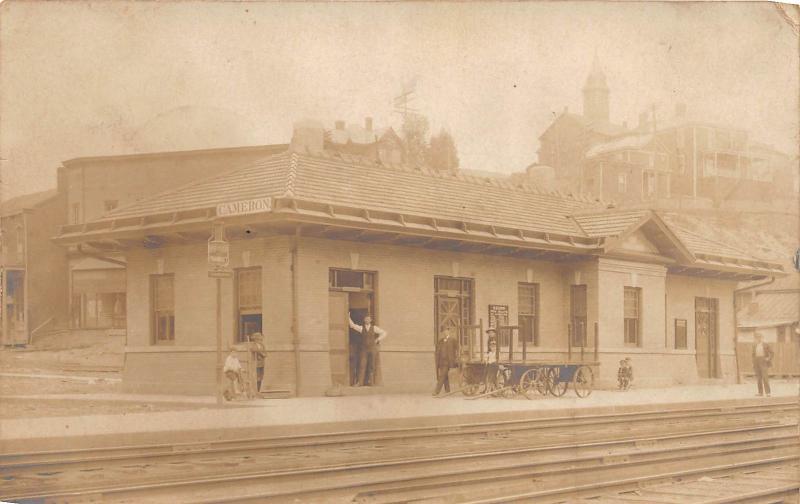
(578, 314)
(632, 308)
(162, 292)
(528, 313)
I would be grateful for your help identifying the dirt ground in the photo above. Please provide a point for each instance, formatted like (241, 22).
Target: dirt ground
(76, 364)
(23, 408)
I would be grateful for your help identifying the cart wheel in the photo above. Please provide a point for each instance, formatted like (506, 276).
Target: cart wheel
(583, 381)
(527, 383)
(557, 388)
(474, 389)
(542, 381)
(500, 383)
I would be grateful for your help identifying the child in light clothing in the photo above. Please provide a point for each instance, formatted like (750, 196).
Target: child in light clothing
(233, 371)
(625, 374)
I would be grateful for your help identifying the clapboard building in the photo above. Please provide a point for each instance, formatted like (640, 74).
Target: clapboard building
(33, 273)
(325, 234)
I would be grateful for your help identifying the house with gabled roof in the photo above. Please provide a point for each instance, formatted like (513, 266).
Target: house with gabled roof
(662, 158)
(318, 235)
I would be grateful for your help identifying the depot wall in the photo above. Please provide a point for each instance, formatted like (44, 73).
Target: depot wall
(405, 302)
(405, 308)
(682, 293)
(188, 364)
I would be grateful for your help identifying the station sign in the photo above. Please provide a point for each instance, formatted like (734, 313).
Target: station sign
(244, 207)
(219, 254)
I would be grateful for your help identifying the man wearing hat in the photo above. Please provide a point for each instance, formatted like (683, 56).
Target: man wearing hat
(259, 352)
(762, 360)
(491, 337)
(446, 358)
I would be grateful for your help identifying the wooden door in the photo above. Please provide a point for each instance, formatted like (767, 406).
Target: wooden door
(449, 313)
(706, 339)
(338, 337)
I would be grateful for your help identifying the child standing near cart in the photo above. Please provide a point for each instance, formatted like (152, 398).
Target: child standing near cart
(233, 372)
(625, 374)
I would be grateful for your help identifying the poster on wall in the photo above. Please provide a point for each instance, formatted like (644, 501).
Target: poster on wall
(498, 315)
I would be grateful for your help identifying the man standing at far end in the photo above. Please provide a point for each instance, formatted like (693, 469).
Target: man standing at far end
(762, 360)
(371, 336)
(259, 352)
(446, 358)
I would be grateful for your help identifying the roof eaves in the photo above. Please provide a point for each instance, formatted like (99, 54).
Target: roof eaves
(181, 153)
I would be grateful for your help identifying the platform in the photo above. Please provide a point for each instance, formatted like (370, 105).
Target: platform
(274, 417)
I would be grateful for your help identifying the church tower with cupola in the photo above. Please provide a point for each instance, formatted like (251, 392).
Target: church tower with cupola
(595, 94)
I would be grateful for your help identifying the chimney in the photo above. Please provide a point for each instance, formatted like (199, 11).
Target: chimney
(307, 137)
(680, 110)
(339, 125)
(368, 123)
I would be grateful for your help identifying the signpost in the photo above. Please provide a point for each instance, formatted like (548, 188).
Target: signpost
(218, 261)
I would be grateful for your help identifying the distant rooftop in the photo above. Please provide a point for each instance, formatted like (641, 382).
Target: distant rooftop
(25, 202)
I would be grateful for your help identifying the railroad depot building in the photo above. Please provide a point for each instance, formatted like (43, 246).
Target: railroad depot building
(316, 235)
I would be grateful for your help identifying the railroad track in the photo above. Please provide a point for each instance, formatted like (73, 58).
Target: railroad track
(367, 463)
(767, 483)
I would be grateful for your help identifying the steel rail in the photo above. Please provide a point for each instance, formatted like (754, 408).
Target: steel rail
(601, 459)
(481, 476)
(761, 495)
(485, 437)
(627, 483)
(13, 461)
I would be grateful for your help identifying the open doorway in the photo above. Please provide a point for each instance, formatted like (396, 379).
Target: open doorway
(14, 309)
(351, 294)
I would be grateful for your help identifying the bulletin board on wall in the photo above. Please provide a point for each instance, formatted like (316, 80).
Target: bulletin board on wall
(498, 315)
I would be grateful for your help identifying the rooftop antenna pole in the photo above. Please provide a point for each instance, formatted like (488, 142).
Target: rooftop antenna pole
(404, 99)
(401, 105)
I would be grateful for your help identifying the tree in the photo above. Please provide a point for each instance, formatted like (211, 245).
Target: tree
(415, 134)
(442, 154)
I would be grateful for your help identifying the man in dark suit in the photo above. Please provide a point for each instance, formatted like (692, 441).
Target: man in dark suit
(446, 358)
(762, 361)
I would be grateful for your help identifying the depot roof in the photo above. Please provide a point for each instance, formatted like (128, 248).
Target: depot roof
(337, 189)
(338, 179)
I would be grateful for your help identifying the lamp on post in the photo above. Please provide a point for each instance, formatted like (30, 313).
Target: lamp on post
(218, 261)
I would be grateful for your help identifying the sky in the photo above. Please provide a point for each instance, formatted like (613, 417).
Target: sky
(101, 78)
